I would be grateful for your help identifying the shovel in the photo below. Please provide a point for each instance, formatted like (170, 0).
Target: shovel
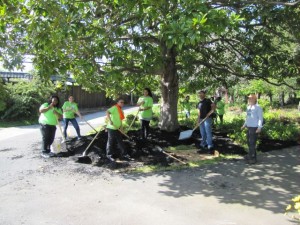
(89, 124)
(188, 133)
(162, 151)
(84, 158)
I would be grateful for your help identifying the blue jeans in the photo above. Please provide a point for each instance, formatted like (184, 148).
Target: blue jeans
(75, 125)
(206, 133)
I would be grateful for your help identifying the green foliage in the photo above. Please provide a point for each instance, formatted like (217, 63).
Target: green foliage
(125, 45)
(294, 208)
(4, 94)
(282, 124)
(25, 98)
(264, 104)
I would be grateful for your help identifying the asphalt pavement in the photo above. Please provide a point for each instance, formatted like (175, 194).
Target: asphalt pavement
(58, 191)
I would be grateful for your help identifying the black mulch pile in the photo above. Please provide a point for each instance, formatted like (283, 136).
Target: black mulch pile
(146, 152)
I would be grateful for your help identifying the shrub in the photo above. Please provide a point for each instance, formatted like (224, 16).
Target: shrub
(25, 98)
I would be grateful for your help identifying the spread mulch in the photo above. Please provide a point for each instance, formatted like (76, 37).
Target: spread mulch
(146, 152)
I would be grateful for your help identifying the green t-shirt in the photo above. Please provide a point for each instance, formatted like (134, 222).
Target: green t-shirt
(186, 105)
(148, 102)
(220, 107)
(69, 109)
(115, 118)
(48, 117)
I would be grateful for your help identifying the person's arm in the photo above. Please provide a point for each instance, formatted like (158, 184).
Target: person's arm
(147, 104)
(213, 107)
(77, 112)
(58, 113)
(108, 117)
(140, 102)
(260, 119)
(45, 109)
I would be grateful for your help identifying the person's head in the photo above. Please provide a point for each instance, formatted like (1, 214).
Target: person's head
(71, 98)
(120, 102)
(252, 99)
(147, 92)
(54, 99)
(187, 98)
(202, 94)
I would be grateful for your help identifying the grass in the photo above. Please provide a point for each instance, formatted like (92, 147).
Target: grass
(191, 164)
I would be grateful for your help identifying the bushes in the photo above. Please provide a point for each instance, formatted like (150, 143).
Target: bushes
(4, 94)
(280, 125)
(24, 99)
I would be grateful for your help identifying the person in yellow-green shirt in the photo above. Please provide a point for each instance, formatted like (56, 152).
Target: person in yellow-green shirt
(70, 108)
(220, 108)
(114, 117)
(145, 103)
(49, 115)
(186, 106)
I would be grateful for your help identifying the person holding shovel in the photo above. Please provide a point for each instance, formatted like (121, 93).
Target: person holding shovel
(145, 103)
(70, 108)
(205, 107)
(48, 119)
(253, 123)
(114, 117)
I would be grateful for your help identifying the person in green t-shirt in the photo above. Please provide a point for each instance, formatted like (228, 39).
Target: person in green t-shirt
(220, 108)
(49, 115)
(114, 117)
(186, 106)
(70, 108)
(145, 103)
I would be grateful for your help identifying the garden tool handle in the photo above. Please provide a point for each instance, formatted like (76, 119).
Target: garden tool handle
(89, 124)
(59, 126)
(134, 118)
(124, 133)
(87, 148)
(202, 121)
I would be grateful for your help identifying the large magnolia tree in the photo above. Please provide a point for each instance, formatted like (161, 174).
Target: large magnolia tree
(119, 45)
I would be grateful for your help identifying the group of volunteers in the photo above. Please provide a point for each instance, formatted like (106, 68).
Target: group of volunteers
(51, 113)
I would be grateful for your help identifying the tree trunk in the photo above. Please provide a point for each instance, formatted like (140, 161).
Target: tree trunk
(282, 99)
(169, 90)
(271, 98)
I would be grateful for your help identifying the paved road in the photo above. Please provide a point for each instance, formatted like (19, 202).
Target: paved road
(58, 191)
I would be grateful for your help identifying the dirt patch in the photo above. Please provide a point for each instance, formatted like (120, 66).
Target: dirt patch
(146, 152)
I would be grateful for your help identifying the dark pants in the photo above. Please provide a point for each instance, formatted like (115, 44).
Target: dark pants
(75, 125)
(48, 135)
(221, 118)
(251, 141)
(145, 128)
(114, 137)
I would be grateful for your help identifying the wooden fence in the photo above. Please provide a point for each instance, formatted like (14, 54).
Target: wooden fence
(86, 99)
(83, 98)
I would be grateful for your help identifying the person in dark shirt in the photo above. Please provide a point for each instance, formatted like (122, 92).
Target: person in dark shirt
(205, 107)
